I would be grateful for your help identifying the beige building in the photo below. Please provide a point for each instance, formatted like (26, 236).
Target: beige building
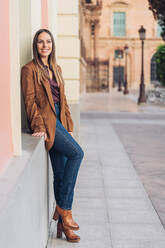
(106, 26)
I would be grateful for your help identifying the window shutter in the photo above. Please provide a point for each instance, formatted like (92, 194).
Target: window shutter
(119, 24)
(159, 30)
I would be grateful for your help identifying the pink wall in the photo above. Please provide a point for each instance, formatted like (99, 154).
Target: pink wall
(6, 148)
(44, 13)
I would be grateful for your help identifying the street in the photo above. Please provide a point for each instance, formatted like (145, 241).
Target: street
(119, 198)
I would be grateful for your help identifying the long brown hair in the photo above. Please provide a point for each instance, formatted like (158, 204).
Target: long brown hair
(51, 59)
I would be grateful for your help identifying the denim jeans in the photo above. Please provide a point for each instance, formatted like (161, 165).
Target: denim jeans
(66, 156)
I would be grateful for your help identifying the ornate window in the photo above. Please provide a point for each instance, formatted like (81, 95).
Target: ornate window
(119, 24)
(118, 54)
(159, 30)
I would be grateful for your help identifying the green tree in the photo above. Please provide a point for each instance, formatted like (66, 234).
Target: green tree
(158, 9)
(160, 63)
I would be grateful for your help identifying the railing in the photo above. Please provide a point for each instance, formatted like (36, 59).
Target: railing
(97, 76)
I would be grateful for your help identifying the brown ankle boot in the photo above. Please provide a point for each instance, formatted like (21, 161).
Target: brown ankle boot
(56, 215)
(67, 219)
(69, 234)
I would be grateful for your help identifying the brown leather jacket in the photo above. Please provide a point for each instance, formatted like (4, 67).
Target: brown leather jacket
(39, 103)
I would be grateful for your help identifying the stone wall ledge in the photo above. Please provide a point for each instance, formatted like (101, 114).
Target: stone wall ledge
(26, 200)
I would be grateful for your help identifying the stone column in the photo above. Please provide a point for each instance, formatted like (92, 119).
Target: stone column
(68, 51)
(52, 17)
(6, 148)
(30, 22)
(15, 77)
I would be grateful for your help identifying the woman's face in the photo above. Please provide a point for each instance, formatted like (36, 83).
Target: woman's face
(44, 45)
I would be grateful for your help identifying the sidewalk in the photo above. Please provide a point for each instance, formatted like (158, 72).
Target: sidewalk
(111, 204)
(115, 101)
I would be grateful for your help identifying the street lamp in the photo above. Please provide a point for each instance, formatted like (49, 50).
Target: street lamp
(126, 49)
(114, 67)
(142, 97)
(113, 83)
(120, 56)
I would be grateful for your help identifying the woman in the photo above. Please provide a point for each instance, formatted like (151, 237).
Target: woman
(49, 116)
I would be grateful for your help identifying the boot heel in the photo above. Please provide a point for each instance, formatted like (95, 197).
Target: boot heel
(70, 235)
(56, 215)
(59, 230)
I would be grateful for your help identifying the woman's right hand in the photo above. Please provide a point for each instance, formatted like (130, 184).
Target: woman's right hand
(40, 134)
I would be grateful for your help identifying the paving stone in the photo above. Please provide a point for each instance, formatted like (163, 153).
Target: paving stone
(130, 203)
(89, 192)
(133, 216)
(119, 173)
(125, 193)
(147, 234)
(122, 183)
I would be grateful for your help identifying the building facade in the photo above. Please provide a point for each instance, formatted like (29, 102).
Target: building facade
(106, 27)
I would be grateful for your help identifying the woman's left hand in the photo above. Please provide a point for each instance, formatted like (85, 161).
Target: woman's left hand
(40, 134)
(71, 133)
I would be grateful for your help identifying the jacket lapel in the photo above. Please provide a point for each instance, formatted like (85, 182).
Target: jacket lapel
(60, 83)
(46, 85)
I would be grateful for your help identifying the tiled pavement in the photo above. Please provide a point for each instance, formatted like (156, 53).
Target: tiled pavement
(111, 204)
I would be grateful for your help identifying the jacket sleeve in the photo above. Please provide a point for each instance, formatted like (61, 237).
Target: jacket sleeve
(68, 116)
(28, 91)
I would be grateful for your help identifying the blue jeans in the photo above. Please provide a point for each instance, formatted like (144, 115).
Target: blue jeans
(66, 156)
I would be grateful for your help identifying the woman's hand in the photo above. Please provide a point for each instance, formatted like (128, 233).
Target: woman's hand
(71, 133)
(40, 134)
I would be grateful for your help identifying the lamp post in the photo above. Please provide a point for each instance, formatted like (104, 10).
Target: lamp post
(142, 97)
(126, 49)
(119, 82)
(113, 84)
